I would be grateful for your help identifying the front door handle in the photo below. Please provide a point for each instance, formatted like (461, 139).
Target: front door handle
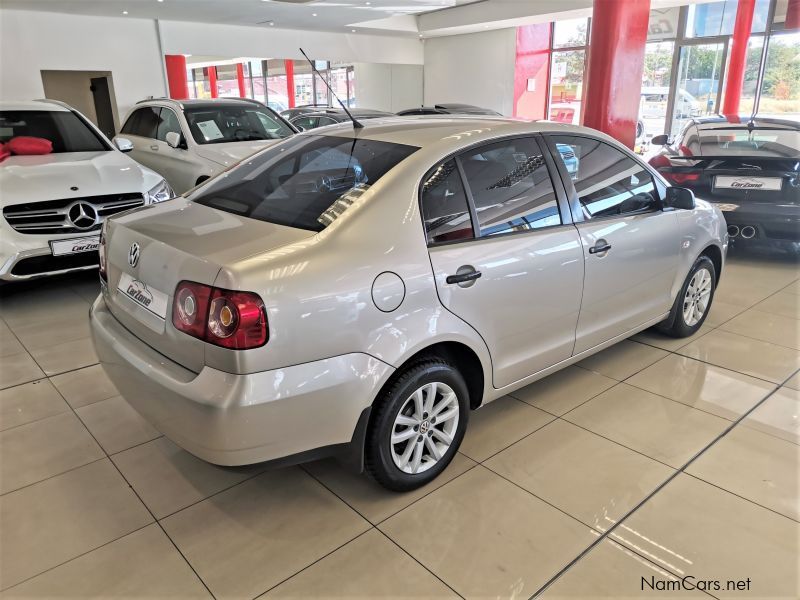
(600, 247)
(464, 277)
(154, 147)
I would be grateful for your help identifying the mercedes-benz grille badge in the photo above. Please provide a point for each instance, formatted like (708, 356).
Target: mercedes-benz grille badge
(133, 254)
(83, 215)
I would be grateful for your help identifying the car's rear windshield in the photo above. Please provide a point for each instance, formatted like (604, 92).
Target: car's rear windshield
(64, 129)
(305, 182)
(222, 124)
(759, 142)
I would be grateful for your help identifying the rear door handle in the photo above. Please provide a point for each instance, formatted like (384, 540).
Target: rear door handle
(154, 147)
(599, 248)
(463, 277)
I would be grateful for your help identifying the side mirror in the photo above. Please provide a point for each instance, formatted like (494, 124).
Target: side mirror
(123, 144)
(174, 139)
(678, 197)
(660, 140)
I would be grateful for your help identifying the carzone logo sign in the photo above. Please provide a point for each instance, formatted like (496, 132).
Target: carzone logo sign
(747, 183)
(138, 292)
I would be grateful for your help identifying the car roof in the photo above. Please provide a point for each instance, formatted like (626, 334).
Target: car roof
(201, 102)
(32, 105)
(449, 130)
(741, 122)
(338, 113)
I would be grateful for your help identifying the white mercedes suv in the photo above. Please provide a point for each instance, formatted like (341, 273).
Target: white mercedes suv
(189, 141)
(55, 203)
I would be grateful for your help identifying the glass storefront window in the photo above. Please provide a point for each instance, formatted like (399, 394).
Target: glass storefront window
(570, 33)
(566, 85)
(780, 92)
(718, 18)
(656, 79)
(277, 85)
(699, 70)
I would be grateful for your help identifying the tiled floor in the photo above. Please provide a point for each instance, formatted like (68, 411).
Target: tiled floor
(654, 460)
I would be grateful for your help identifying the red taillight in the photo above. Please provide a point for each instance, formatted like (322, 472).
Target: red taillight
(659, 160)
(101, 250)
(681, 177)
(666, 167)
(236, 320)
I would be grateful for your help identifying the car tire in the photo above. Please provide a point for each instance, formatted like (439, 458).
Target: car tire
(693, 302)
(405, 450)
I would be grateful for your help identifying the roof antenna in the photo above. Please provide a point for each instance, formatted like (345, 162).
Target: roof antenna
(356, 124)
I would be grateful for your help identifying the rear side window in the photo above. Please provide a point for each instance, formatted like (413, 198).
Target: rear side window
(305, 123)
(760, 142)
(444, 205)
(608, 181)
(143, 122)
(511, 187)
(306, 182)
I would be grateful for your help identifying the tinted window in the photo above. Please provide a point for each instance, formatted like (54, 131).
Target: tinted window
(760, 142)
(307, 182)
(327, 121)
(305, 123)
(143, 122)
(608, 181)
(168, 122)
(221, 124)
(445, 211)
(511, 187)
(65, 130)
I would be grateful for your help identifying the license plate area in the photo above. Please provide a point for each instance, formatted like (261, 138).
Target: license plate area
(75, 245)
(152, 300)
(747, 183)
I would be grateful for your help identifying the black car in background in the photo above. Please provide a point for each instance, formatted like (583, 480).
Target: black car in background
(291, 113)
(448, 109)
(748, 167)
(330, 116)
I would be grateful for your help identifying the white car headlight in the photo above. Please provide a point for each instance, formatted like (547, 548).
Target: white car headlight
(160, 193)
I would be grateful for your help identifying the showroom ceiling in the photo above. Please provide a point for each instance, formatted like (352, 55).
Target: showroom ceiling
(324, 15)
(426, 18)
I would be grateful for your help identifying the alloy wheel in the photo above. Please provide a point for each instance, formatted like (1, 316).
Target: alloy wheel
(424, 428)
(698, 293)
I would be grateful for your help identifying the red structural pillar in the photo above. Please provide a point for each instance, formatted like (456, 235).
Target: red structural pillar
(176, 76)
(792, 15)
(616, 62)
(212, 80)
(289, 65)
(738, 57)
(240, 80)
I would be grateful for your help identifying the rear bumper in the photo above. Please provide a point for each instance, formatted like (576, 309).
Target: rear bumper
(778, 223)
(230, 419)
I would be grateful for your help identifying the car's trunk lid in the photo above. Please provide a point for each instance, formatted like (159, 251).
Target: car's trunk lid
(151, 250)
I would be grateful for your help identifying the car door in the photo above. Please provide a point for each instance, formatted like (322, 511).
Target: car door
(140, 129)
(630, 245)
(505, 257)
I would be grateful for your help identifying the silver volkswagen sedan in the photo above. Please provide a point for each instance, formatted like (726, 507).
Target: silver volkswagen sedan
(359, 291)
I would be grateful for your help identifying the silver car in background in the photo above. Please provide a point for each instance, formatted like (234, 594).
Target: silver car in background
(358, 291)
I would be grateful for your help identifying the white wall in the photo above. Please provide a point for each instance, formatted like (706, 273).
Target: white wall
(388, 87)
(476, 68)
(32, 41)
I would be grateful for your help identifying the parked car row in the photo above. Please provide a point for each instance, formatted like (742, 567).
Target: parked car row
(313, 116)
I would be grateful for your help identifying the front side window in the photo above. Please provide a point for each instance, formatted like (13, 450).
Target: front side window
(167, 123)
(65, 130)
(445, 211)
(511, 187)
(221, 124)
(306, 182)
(305, 123)
(608, 181)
